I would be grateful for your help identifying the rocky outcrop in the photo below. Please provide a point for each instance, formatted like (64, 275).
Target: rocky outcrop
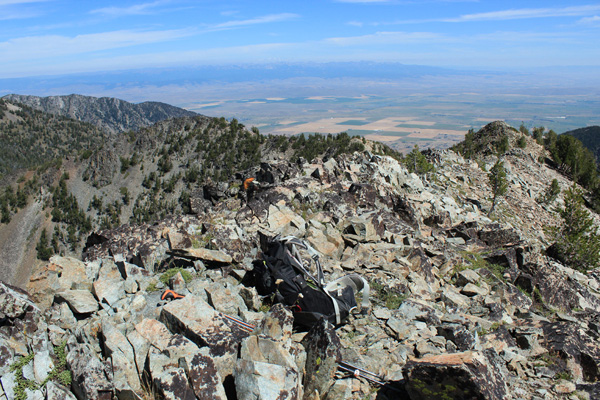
(461, 306)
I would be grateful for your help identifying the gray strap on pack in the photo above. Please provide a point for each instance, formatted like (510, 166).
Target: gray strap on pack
(357, 282)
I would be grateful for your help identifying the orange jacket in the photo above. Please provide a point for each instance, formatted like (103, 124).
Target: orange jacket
(247, 183)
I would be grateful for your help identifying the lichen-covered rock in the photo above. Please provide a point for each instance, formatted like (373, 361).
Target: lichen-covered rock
(56, 391)
(15, 303)
(462, 338)
(573, 343)
(90, 381)
(466, 375)
(322, 355)
(173, 384)
(204, 377)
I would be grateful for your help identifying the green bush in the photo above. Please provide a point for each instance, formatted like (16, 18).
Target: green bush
(171, 272)
(392, 299)
(59, 373)
(503, 145)
(44, 252)
(550, 194)
(416, 162)
(577, 241)
(498, 182)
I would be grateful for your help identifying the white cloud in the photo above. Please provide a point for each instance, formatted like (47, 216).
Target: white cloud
(11, 2)
(9, 13)
(356, 23)
(137, 9)
(363, 1)
(522, 13)
(503, 15)
(4, 16)
(39, 47)
(254, 21)
(384, 38)
(595, 20)
(514, 37)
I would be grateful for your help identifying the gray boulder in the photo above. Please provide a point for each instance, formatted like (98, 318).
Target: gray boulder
(90, 381)
(80, 301)
(56, 391)
(125, 374)
(263, 381)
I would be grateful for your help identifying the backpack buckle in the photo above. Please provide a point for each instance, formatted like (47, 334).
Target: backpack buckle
(296, 308)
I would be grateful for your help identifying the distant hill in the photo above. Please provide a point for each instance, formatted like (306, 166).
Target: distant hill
(590, 137)
(110, 114)
(30, 138)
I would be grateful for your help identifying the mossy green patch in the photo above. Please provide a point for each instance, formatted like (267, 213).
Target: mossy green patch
(171, 272)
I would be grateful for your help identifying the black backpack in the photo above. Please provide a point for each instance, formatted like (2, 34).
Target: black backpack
(282, 272)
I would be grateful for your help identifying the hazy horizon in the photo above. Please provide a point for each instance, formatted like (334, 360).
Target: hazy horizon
(424, 70)
(399, 104)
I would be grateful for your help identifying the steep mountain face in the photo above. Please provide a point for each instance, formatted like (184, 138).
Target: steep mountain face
(110, 114)
(590, 137)
(462, 305)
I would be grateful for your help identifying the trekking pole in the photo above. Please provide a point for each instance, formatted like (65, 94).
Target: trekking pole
(357, 372)
(244, 325)
(361, 372)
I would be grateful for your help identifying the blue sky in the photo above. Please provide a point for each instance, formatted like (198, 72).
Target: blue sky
(48, 37)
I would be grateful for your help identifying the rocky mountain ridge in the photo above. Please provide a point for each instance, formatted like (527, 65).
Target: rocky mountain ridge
(137, 177)
(111, 114)
(463, 306)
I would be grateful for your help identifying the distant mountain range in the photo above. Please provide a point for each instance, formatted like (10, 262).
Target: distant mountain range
(590, 137)
(110, 114)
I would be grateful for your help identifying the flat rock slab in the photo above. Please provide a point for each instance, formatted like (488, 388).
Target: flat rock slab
(202, 254)
(179, 240)
(109, 290)
(80, 301)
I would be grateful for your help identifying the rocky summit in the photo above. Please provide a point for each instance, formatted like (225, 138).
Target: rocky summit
(463, 305)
